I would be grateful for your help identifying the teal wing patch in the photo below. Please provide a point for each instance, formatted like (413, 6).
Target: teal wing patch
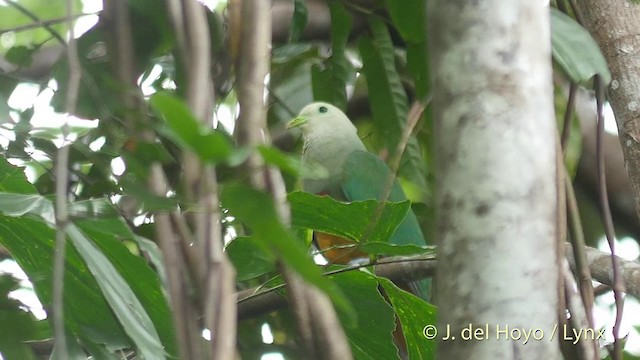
(364, 177)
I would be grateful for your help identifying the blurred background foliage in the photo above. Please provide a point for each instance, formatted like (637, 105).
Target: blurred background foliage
(368, 57)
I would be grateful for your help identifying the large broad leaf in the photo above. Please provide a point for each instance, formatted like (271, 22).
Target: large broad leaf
(575, 50)
(388, 99)
(97, 284)
(370, 337)
(349, 220)
(87, 314)
(415, 315)
(330, 80)
(256, 209)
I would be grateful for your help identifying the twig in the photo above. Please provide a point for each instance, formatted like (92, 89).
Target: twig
(600, 264)
(62, 180)
(618, 286)
(588, 347)
(578, 242)
(253, 302)
(316, 318)
(568, 115)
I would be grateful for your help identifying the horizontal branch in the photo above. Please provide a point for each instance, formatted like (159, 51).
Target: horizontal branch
(602, 271)
(254, 302)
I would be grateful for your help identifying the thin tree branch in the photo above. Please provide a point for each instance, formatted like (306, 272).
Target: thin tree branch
(322, 334)
(413, 117)
(405, 269)
(568, 115)
(255, 302)
(588, 348)
(213, 271)
(577, 240)
(618, 286)
(62, 180)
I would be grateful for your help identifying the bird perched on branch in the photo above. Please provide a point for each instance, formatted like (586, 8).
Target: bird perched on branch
(354, 174)
(331, 140)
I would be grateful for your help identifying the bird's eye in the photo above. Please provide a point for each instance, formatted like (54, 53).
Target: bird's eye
(323, 109)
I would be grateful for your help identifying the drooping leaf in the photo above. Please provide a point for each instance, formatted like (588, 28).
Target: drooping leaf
(414, 315)
(370, 337)
(409, 17)
(388, 99)
(575, 50)
(101, 278)
(85, 307)
(299, 19)
(330, 79)
(131, 313)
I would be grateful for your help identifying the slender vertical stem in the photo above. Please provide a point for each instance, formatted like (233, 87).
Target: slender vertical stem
(62, 180)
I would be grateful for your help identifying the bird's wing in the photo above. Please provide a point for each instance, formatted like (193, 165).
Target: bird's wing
(364, 178)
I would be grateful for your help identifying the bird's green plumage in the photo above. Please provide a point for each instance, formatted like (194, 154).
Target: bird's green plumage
(331, 140)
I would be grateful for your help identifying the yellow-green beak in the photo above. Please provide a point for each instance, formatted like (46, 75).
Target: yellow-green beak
(296, 122)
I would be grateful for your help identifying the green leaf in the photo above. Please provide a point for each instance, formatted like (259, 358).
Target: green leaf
(185, 129)
(20, 55)
(575, 50)
(414, 314)
(117, 291)
(299, 19)
(30, 243)
(123, 301)
(256, 209)
(418, 66)
(409, 17)
(26, 230)
(349, 220)
(370, 337)
(23, 324)
(250, 257)
(330, 82)
(13, 179)
(388, 99)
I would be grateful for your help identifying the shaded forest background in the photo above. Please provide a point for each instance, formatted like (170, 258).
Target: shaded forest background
(147, 153)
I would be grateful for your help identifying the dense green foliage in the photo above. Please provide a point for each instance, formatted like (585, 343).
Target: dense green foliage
(115, 295)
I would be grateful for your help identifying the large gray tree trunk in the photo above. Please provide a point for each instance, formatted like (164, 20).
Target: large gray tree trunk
(496, 171)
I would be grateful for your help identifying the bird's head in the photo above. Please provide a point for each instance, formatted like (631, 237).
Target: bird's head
(321, 117)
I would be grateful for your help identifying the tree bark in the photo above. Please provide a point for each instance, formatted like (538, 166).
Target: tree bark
(495, 163)
(614, 25)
